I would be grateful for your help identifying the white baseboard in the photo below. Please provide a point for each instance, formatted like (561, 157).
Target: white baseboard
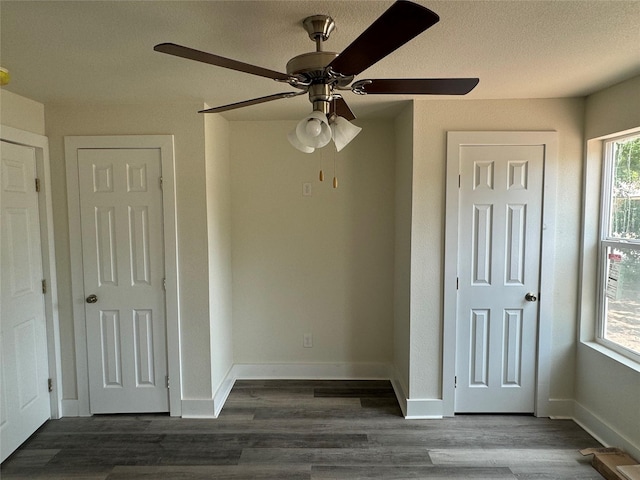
(602, 431)
(222, 393)
(423, 408)
(401, 394)
(416, 409)
(198, 408)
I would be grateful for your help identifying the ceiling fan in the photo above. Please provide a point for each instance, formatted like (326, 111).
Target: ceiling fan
(324, 75)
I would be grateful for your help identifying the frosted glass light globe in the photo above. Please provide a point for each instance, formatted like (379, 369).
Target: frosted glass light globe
(313, 127)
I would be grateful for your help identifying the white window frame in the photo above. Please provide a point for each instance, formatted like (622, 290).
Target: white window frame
(606, 242)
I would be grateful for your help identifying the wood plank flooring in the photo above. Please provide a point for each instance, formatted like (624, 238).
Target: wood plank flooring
(304, 430)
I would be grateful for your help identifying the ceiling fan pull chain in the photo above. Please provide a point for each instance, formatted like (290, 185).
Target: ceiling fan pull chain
(321, 174)
(335, 173)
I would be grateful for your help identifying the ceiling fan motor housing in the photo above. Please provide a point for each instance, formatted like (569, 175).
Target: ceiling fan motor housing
(311, 65)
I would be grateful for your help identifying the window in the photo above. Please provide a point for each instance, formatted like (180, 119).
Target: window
(619, 321)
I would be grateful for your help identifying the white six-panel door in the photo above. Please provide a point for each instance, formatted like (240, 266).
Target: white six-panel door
(123, 260)
(500, 208)
(24, 397)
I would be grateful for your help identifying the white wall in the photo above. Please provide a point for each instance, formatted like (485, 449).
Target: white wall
(607, 388)
(188, 128)
(321, 264)
(20, 112)
(432, 119)
(613, 110)
(218, 192)
(402, 274)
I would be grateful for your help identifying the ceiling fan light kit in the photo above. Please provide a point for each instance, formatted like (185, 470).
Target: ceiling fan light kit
(314, 131)
(293, 140)
(323, 75)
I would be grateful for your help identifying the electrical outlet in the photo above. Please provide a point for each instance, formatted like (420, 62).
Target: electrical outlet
(307, 340)
(306, 189)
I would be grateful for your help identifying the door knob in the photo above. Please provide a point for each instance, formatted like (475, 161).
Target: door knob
(530, 297)
(92, 299)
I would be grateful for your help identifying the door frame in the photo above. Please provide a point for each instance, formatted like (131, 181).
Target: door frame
(456, 140)
(165, 144)
(40, 144)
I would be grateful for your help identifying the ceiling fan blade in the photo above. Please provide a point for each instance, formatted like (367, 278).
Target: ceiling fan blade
(199, 56)
(341, 109)
(254, 101)
(400, 23)
(416, 86)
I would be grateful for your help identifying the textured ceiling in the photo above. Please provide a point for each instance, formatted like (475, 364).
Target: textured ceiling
(98, 52)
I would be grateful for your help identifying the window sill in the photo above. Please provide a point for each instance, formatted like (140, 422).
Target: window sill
(613, 355)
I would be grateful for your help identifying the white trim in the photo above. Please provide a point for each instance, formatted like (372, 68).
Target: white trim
(412, 408)
(424, 408)
(166, 145)
(221, 395)
(400, 391)
(70, 408)
(602, 431)
(41, 145)
(198, 408)
(588, 273)
(549, 139)
(401, 397)
(606, 241)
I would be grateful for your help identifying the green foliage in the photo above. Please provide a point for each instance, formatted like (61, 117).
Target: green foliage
(626, 190)
(625, 221)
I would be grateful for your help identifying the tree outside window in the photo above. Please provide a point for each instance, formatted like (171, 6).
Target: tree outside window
(619, 325)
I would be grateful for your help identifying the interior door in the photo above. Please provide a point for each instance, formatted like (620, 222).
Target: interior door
(24, 396)
(122, 250)
(498, 277)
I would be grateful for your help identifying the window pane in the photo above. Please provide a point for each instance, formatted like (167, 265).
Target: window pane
(625, 194)
(622, 303)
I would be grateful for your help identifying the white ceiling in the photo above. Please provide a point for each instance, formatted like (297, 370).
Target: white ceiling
(98, 52)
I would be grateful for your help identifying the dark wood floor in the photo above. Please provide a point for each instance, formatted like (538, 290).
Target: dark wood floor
(288, 430)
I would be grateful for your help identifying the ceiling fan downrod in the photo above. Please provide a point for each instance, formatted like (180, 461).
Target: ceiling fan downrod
(319, 27)
(310, 69)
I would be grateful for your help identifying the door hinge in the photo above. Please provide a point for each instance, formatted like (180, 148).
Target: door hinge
(37, 185)
(167, 379)
(455, 382)
(164, 284)
(44, 286)
(50, 385)
(160, 183)
(457, 283)
(459, 180)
